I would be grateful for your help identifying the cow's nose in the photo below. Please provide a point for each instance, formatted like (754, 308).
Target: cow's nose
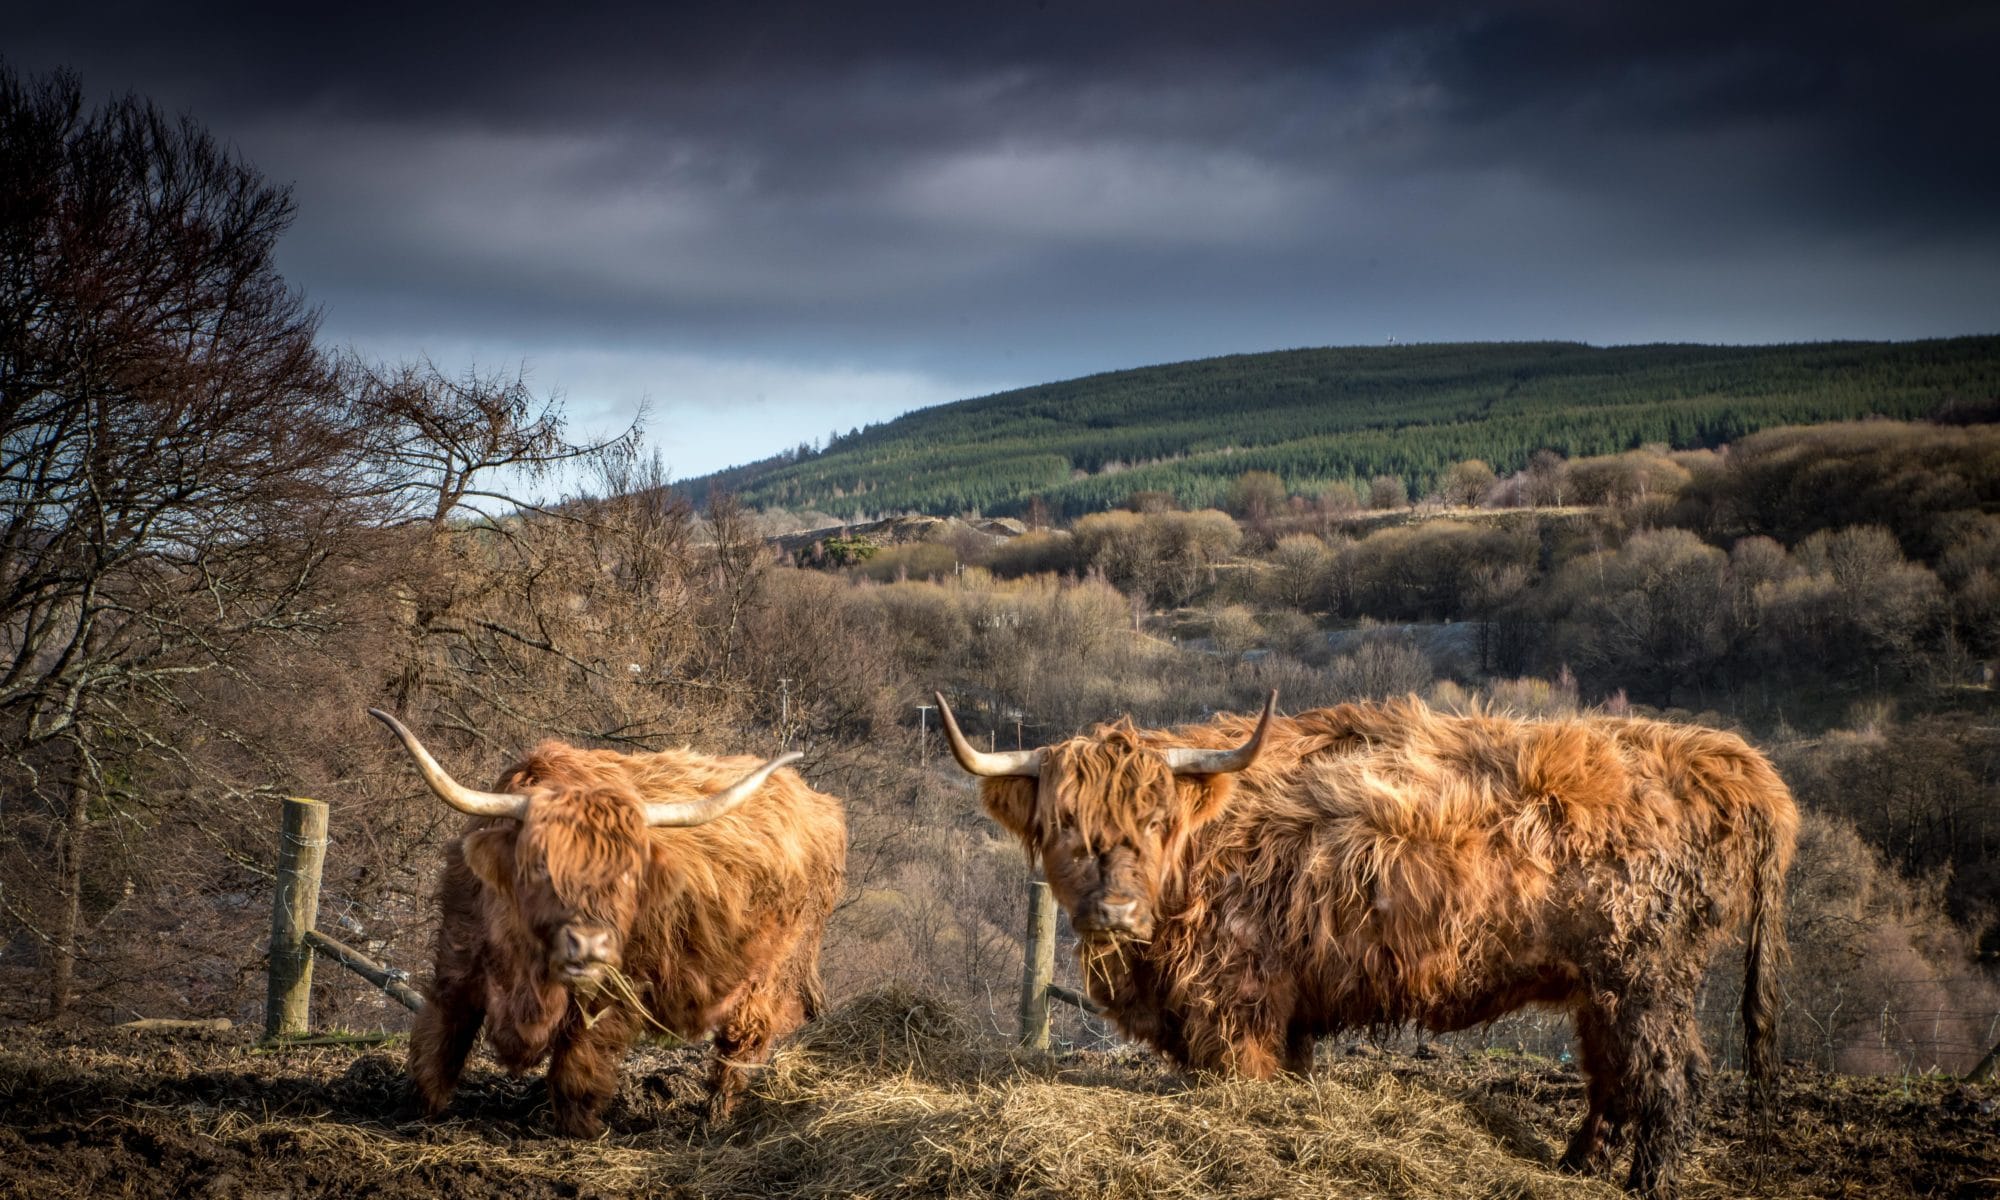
(1119, 915)
(581, 944)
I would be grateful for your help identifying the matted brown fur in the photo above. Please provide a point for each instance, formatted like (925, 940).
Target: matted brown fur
(1384, 864)
(719, 924)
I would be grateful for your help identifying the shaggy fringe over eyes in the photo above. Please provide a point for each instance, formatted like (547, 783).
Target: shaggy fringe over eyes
(587, 827)
(1107, 788)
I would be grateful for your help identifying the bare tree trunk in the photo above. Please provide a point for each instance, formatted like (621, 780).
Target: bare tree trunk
(69, 884)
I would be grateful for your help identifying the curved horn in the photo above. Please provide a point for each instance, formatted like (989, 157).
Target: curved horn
(682, 813)
(979, 762)
(1220, 762)
(449, 790)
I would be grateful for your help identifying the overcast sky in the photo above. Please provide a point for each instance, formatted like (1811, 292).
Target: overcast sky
(772, 220)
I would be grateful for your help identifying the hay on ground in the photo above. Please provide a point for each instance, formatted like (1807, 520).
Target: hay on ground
(891, 1095)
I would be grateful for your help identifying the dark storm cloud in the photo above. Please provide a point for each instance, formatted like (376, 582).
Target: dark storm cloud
(1005, 193)
(829, 89)
(1862, 116)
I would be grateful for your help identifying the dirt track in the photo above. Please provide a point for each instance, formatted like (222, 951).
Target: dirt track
(113, 1114)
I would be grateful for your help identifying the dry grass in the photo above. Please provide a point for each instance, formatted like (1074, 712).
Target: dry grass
(888, 1095)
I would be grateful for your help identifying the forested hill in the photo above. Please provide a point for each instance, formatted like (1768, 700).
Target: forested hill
(1319, 417)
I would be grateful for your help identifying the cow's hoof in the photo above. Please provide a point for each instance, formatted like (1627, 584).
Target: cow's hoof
(418, 1105)
(579, 1125)
(1595, 1161)
(412, 1109)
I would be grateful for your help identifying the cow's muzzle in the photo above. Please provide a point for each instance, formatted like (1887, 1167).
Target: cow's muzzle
(1114, 921)
(583, 954)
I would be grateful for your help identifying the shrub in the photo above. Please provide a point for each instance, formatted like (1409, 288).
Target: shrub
(1386, 493)
(1467, 483)
(1298, 577)
(1647, 613)
(1035, 552)
(915, 560)
(1378, 665)
(1235, 629)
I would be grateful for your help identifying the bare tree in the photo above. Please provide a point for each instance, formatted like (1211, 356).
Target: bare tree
(1254, 495)
(445, 444)
(1546, 479)
(171, 460)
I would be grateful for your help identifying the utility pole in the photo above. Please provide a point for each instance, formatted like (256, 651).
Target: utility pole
(784, 713)
(924, 734)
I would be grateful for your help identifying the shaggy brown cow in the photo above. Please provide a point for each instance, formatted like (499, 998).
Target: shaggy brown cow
(1245, 886)
(696, 886)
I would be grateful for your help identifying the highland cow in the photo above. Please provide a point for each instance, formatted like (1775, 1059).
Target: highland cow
(598, 893)
(1246, 886)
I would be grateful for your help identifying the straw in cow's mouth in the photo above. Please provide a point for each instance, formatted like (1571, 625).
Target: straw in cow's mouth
(619, 988)
(1102, 952)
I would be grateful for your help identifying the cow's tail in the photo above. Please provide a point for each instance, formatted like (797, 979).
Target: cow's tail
(1765, 956)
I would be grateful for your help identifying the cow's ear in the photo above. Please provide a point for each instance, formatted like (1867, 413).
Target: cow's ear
(659, 855)
(1010, 800)
(1203, 797)
(489, 855)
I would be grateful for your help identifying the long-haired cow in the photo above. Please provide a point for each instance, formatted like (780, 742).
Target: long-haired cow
(1245, 886)
(695, 888)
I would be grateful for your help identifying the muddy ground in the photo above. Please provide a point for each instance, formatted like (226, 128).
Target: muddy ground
(108, 1114)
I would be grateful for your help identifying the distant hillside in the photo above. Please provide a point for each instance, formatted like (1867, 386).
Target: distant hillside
(1318, 417)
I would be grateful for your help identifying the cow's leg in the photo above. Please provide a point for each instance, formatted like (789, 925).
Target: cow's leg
(1169, 1036)
(440, 1040)
(1299, 1044)
(1248, 1041)
(1660, 1068)
(744, 1042)
(1587, 1151)
(583, 1072)
(1162, 1031)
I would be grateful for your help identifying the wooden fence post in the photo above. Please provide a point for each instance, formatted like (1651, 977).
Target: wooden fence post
(1038, 966)
(294, 911)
